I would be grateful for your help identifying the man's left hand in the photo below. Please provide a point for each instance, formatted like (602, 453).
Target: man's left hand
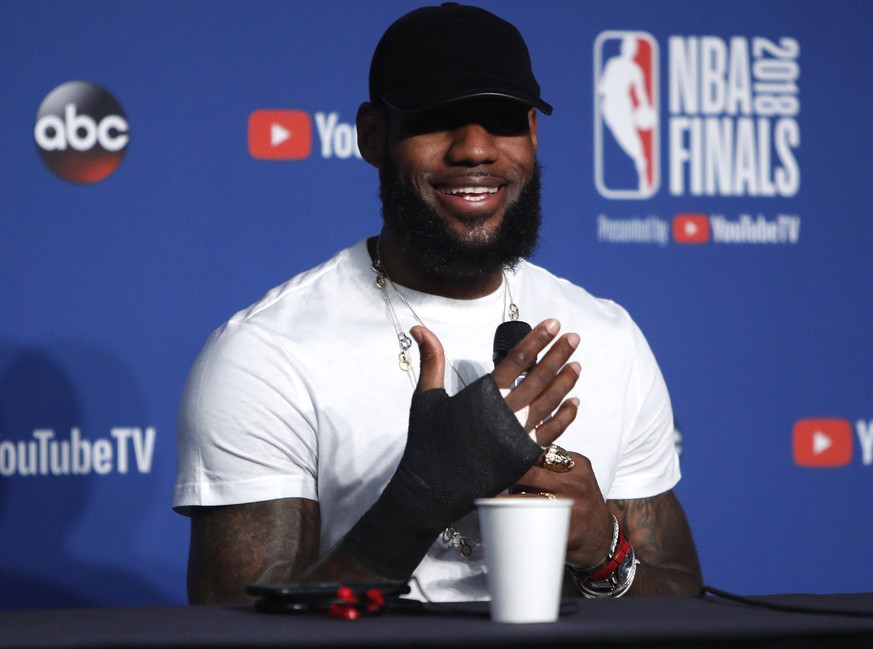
(590, 521)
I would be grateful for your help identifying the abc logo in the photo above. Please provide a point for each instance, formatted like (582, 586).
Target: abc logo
(81, 133)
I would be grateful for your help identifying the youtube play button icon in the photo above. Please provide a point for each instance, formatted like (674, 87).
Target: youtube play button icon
(280, 134)
(822, 442)
(691, 228)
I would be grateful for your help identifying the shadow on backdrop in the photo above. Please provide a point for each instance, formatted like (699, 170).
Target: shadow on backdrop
(53, 551)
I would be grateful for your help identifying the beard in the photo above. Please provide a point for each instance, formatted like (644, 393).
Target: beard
(433, 246)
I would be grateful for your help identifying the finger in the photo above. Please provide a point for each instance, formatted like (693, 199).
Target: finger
(540, 399)
(538, 478)
(549, 431)
(433, 361)
(524, 353)
(543, 375)
(547, 401)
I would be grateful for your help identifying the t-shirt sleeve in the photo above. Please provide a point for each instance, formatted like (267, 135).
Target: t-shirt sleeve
(246, 425)
(649, 463)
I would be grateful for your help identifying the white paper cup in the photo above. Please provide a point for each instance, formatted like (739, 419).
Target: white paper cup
(525, 542)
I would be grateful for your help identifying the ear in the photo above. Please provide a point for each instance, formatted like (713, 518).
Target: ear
(532, 126)
(372, 128)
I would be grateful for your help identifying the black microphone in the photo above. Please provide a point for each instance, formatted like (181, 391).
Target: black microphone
(507, 336)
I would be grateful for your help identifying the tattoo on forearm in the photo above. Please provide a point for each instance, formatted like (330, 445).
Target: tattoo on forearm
(659, 532)
(258, 542)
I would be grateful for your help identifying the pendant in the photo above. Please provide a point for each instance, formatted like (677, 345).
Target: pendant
(453, 535)
(405, 344)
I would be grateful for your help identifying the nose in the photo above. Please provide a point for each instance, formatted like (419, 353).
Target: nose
(472, 145)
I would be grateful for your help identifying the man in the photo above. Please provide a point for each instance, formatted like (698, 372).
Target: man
(309, 447)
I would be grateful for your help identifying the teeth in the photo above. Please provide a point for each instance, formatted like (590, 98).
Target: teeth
(471, 190)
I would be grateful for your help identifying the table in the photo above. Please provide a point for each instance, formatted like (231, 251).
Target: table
(651, 622)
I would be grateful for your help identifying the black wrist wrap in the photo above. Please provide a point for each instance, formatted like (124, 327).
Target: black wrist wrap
(458, 449)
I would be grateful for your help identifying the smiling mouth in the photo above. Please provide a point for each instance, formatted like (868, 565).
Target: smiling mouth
(472, 194)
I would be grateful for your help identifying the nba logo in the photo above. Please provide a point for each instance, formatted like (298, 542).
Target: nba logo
(627, 163)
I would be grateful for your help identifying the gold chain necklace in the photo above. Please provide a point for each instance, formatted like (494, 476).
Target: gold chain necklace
(383, 280)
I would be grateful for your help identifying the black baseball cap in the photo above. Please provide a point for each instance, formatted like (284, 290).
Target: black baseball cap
(436, 55)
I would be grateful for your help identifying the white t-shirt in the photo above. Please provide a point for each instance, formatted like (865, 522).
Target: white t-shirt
(301, 395)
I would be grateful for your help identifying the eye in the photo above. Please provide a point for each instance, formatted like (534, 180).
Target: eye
(497, 116)
(506, 119)
(430, 121)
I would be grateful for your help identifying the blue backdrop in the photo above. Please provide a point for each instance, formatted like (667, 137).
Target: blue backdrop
(745, 255)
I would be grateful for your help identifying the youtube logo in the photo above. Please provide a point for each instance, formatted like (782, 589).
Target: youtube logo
(691, 228)
(822, 442)
(280, 134)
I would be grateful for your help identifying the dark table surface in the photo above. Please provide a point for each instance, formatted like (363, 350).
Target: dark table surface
(842, 621)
